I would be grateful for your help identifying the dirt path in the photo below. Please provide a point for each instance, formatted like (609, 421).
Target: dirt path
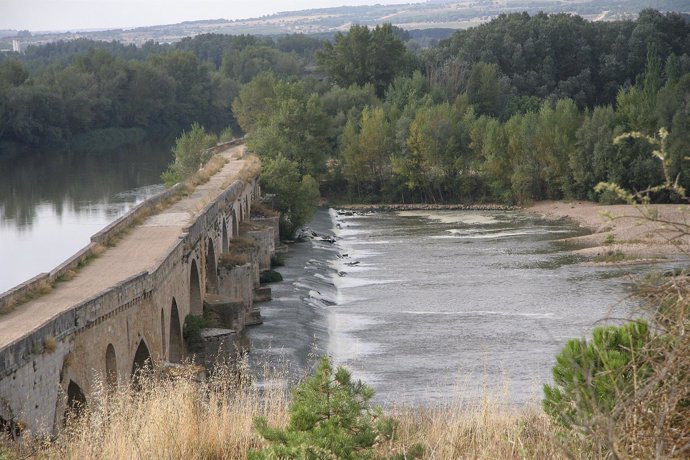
(141, 249)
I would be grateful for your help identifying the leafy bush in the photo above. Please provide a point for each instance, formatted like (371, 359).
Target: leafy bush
(191, 331)
(270, 276)
(330, 417)
(191, 152)
(277, 260)
(226, 135)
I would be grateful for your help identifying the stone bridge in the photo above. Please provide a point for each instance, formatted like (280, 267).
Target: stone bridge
(123, 300)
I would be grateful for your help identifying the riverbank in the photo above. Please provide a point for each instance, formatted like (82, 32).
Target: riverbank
(623, 234)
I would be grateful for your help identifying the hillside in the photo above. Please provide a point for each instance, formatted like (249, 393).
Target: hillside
(429, 15)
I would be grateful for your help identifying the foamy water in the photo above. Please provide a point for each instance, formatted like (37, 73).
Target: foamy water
(422, 305)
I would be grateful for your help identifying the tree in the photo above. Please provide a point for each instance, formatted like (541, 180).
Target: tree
(330, 417)
(366, 153)
(291, 123)
(591, 376)
(190, 154)
(294, 195)
(363, 56)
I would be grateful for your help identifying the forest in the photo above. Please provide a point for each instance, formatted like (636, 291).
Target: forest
(518, 109)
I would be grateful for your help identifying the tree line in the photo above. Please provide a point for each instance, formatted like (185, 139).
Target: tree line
(520, 108)
(57, 91)
(479, 117)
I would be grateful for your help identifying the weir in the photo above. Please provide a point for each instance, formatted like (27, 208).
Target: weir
(121, 303)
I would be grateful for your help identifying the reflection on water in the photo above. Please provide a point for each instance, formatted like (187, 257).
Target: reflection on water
(427, 305)
(52, 202)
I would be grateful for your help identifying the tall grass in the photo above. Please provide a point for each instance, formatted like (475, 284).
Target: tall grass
(482, 429)
(183, 418)
(171, 417)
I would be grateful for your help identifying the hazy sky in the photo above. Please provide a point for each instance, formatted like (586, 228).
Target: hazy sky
(88, 14)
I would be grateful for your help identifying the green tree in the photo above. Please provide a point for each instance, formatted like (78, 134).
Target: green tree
(590, 377)
(365, 56)
(366, 154)
(190, 154)
(594, 150)
(330, 417)
(294, 195)
(291, 123)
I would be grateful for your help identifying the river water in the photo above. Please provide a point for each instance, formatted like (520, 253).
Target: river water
(425, 306)
(421, 305)
(52, 202)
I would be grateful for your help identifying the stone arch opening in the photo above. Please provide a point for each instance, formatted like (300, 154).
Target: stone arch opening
(142, 365)
(163, 348)
(76, 401)
(211, 270)
(110, 366)
(235, 225)
(175, 335)
(224, 243)
(195, 301)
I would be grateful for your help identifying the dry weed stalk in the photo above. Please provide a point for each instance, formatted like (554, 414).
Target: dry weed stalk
(176, 418)
(481, 429)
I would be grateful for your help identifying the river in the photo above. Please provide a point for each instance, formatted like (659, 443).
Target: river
(421, 305)
(426, 306)
(51, 202)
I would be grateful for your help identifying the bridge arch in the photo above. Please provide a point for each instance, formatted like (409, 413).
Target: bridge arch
(163, 347)
(196, 306)
(175, 346)
(211, 269)
(234, 224)
(76, 401)
(225, 241)
(141, 366)
(110, 366)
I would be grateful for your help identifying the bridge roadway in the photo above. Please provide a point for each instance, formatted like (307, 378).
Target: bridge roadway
(142, 248)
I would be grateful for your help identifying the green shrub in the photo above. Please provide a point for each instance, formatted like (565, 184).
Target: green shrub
(270, 276)
(191, 331)
(590, 377)
(191, 152)
(277, 260)
(330, 417)
(226, 135)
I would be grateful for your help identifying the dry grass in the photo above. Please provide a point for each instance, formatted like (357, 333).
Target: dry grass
(233, 259)
(248, 226)
(213, 165)
(263, 210)
(242, 243)
(250, 170)
(483, 429)
(49, 344)
(182, 418)
(175, 418)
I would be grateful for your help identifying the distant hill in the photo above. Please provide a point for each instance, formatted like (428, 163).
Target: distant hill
(440, 15)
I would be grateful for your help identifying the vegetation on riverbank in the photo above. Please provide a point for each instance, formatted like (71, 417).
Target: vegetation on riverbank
(184, 418)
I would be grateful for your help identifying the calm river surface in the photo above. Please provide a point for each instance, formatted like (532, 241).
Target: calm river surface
(436, 304)
(52, 202)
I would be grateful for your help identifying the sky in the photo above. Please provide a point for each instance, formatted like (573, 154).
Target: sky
(55, 15)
